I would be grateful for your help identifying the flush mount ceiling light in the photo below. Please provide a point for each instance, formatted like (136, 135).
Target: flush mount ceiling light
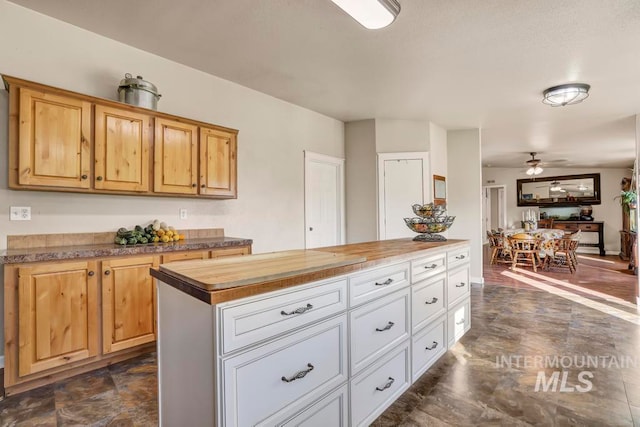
(371, 14)
(571, 93)
(533, 163)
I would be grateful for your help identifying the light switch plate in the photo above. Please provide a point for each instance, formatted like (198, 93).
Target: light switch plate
(20, 213)
(183, 214)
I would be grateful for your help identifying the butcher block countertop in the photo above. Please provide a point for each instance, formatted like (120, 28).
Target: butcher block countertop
(219, 280)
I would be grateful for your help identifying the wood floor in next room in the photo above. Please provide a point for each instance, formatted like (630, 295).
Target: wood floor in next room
(488, 378)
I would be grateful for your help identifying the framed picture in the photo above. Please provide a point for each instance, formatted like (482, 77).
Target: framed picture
(439, 190)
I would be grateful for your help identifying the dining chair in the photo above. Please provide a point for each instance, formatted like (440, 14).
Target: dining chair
(499, 253)
(525, 250)
(563, 255)
(545, 223)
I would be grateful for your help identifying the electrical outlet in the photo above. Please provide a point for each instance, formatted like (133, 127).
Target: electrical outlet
(20, 213)
(183, 214)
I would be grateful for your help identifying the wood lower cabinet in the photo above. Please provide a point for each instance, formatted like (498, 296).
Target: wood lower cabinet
(175, 157)
(67, 317)
(232, 251)
(218, 163)
(58, 307)
(53, 146)
(122, 141)
(128, 303)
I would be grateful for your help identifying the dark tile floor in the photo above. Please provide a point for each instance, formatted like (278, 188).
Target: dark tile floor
(466, 387)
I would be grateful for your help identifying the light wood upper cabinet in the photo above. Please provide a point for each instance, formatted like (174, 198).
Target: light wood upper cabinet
(54, 145)
(128, 303)
(175, 157)
(218, 163)
(65, 141)
(58, 315)
(122, 140)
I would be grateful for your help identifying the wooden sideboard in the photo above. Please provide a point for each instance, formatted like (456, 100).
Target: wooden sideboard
(585, 227)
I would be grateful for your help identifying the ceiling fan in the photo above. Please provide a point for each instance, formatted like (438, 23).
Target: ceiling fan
(555, 186)
(534, 165)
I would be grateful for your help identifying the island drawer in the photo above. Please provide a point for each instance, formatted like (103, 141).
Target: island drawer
(373, 284)
(377, 327)
(426, 267)
(458, 321)
(428, 301)
(258, 319)
(260, 385)
(331, 410)
(428, 346)
(458, 257)
(375, 389)
(458, 285)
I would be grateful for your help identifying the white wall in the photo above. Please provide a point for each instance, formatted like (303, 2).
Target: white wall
(393, 136)
(360, 177)
(438, 149)
(608, 211)
(464, 198)
(273, 135)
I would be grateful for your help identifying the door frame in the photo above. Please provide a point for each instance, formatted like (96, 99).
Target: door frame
(426, 180)
(486, 214)
(311, 157)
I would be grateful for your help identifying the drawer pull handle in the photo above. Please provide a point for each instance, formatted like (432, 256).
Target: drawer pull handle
(461, 285)
(299, 310)
(387, 385)
(433, 301)
(298, 375)
(385, 283)
(429, 267)
(460, 257)
(460, 322)
(386, 328)
(434, 345)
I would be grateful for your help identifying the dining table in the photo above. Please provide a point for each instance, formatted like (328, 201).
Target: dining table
(546, 234)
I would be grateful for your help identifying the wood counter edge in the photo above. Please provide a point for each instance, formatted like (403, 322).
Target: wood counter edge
(192, 288)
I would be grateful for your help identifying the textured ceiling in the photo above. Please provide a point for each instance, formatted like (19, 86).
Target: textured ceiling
(459, 63)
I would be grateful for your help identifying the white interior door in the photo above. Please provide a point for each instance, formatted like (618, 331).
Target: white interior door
(403, 181)
(324, 200)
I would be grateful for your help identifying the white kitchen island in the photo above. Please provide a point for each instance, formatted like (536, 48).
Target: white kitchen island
(326, 337)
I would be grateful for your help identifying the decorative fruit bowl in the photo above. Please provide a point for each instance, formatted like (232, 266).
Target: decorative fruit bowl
(431, 219)
(429, 210)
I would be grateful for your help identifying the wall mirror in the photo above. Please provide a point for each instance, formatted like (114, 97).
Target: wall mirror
(439, 190)
(566, 190)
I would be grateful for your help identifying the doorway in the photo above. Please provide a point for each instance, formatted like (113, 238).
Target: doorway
(494, 208)
(324, 214)
(403, 180)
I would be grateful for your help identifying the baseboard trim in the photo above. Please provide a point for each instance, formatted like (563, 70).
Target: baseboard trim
(479, 281)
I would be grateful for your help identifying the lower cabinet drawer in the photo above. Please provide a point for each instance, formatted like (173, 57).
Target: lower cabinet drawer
(457, 257)
(377, 327)
(330, 411)
(376, 283)
(427, 346)
(262, 318)
(458, 321)
(458, 284)
(423, 268)
(259, 385)
(379, 386)
(428, 301)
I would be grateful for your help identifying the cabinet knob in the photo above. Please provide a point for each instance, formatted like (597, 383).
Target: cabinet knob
(193, 185)
(91, 273)
(99, 178)
(202, 185)
(84, 177)
(107, 272)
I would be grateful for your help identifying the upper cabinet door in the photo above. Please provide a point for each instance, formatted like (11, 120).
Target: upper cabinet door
(218, 163)
(121, 150)
(54, 140)
(175, 157)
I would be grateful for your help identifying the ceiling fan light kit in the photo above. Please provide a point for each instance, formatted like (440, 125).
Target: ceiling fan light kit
(371, 14)
(534, 168)
(567, 94)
